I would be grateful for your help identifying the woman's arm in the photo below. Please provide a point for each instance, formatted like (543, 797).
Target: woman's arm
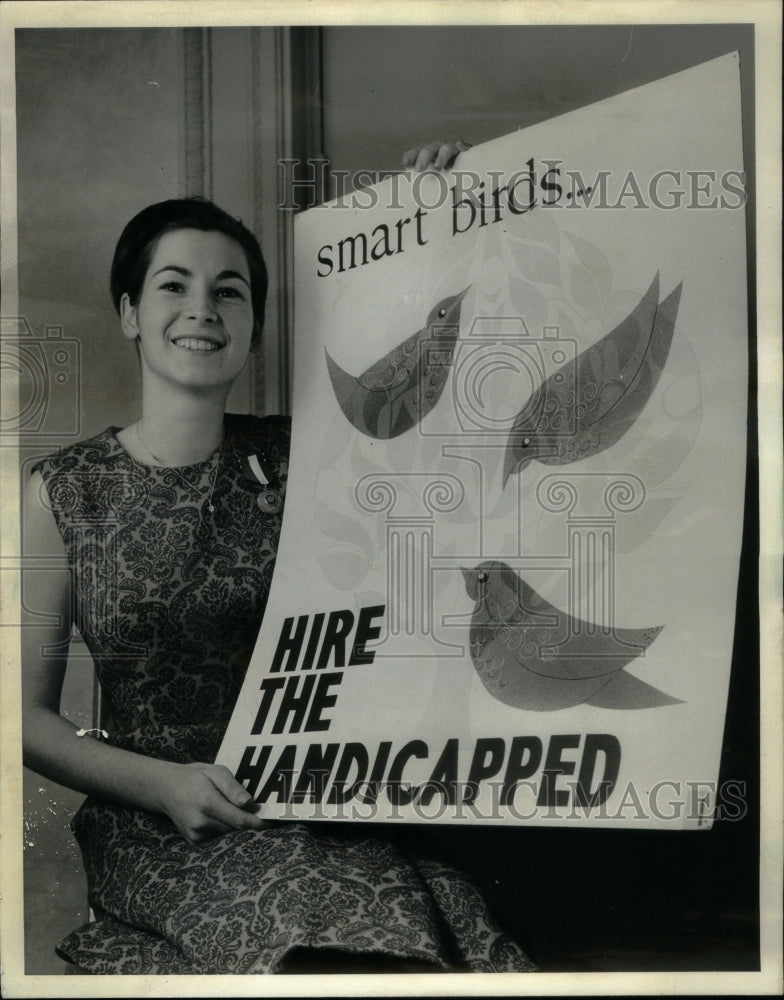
(201, 799)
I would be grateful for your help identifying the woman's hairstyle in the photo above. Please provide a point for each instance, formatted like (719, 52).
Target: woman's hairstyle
(140, 237)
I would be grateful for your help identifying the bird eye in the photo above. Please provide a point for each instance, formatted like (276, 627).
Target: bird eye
(525, 442)
(442, 312)
(482, 577)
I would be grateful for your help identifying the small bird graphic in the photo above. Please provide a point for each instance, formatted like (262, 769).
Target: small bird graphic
(533, 656)
(401, 388)
(590, 403)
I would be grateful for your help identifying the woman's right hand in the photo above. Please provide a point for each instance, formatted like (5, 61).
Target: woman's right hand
(204, 800)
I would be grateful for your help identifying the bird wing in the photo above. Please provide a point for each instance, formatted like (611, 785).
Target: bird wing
(551, 641)
(560, 654)
(395, 368)
(607, 370)
(624, 691)
(397, 391)
(530, 654)
(590, 385)
(520, 684)
(389, 403)
(638, 380)
(589, 403)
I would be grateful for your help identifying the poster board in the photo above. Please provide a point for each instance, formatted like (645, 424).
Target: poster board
(506, 583)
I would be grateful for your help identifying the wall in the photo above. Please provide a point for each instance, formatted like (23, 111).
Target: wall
(388, 89)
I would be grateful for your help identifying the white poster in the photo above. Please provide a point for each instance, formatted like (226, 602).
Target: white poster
(506, 586)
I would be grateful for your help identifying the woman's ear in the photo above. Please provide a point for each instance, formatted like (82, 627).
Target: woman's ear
(128, 318)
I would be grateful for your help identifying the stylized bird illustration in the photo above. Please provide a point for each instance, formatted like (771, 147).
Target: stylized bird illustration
(531, 655)
(589, 403)
(396, 392)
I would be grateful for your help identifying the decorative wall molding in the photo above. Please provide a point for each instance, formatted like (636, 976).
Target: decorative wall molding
(252, 97)
(198, 111)
(288, 124)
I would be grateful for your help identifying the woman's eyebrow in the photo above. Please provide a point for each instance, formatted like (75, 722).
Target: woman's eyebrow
(173, 267)
(189, 274)
(232, 274)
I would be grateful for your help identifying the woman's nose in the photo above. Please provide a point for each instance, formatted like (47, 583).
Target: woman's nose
(201, 306)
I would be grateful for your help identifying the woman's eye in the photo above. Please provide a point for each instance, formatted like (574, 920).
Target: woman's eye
(230, 293)
(172, 286)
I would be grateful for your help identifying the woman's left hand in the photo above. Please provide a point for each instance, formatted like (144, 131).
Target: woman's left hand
(437, 154)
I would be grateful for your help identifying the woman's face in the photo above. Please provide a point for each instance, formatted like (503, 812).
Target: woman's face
(194, 318)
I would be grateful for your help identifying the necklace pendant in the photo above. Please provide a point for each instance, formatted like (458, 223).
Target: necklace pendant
(211, 508)
(269, 502)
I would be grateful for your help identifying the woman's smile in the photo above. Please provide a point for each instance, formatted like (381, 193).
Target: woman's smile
(201, 344)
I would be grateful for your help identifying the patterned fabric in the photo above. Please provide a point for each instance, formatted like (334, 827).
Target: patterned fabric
(169, 597)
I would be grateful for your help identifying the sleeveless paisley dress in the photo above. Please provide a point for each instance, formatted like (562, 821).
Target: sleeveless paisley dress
(168, 597)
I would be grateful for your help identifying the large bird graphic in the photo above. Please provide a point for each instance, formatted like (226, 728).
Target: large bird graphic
(531, 655)
(589, 403)
(401, 388)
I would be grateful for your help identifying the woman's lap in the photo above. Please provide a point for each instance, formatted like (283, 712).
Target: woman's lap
(291, 898)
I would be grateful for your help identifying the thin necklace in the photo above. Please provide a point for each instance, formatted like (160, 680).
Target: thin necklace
(182, 479)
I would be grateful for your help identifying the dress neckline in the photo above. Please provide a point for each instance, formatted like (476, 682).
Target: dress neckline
(112, 432)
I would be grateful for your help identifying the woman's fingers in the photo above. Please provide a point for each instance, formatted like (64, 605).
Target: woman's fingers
(231, 802)
(216, 815)
(426, 156)
(228, 785)
(444, 155)
(224, 813)
(437, 154)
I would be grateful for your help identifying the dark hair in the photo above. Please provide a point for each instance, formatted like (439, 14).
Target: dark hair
(140, 237)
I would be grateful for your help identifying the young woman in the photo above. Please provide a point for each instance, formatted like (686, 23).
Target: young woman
(169, 549)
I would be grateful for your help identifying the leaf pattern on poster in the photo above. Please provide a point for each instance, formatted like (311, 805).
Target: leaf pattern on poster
(594, 262)
(536, 263)
(583, 289)
(634, 531)
(528, 303)
(344, 528)
(540, 226)
(667, 453)
(345, 570)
